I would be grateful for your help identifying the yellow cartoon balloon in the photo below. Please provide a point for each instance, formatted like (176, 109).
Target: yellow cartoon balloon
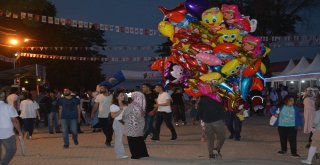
(231, 68)
(228, 36)
(213, 78)
(212, 16)
(263, 68)
(238, 41)
(166, 29)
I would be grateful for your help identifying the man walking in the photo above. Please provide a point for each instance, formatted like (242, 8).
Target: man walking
(164, 113)
(102, 104)
(212, 113)
(69, 115)
(8, 120)
(151, 98)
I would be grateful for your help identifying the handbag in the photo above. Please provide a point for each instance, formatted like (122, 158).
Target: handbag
(273, 118)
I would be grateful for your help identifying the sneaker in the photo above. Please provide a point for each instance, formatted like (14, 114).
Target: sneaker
(177, 124)
(306, 162)
(282, 152)
(295, 155)
(65, 146)
(123, 157)
(184, 123)
(76, 142)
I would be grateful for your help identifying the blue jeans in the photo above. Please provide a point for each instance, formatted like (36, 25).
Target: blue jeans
(149, 125)
(28, 125)
(10, 149)
(69, 124)
(234, 124)
(53, 119)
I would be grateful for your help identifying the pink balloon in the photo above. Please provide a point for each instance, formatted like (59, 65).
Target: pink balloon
(209, 59)
(206, 90)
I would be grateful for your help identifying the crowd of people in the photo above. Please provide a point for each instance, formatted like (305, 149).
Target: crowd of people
(141, 113)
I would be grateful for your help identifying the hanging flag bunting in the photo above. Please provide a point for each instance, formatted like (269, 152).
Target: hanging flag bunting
(6, 59)
(76, 58)
(277, 41)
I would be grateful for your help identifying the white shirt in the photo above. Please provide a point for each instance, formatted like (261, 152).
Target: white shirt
(115, 108)
(162, 98)
(104, 105)
(28, 109)
(6, 113)
(13, 98)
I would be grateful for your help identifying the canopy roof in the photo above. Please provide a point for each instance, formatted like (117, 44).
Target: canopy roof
(289, 67)
(303, 70)
(299, 68)
(314, 67)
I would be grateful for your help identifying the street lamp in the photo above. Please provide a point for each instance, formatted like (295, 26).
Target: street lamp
(13, 42)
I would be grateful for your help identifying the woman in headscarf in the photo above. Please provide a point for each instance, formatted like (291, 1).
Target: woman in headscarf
(134, 125)
(309, 113)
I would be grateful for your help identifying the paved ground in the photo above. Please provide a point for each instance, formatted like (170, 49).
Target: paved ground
(259, 145)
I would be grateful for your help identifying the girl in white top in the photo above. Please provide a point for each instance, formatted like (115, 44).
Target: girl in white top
(29, 112)
(117, 109)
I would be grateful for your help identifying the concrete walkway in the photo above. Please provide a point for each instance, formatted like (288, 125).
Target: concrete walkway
(259, 145)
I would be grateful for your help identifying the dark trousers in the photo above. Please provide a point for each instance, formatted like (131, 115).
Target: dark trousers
(234, 124)
(149, 128)
(288, 134)
(28, 125)
(167, 118)
(137, 147)
(106, 125)
(179, 113)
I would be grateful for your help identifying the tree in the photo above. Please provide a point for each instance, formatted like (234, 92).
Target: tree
(165, 49)
(73, 74)
(275, 17)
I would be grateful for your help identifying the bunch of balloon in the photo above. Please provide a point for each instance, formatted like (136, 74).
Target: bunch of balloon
(213, 52)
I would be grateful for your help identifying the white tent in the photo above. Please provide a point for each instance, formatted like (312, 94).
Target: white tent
(300, 68)
(307, 75)
(289, 67)
(314, 67)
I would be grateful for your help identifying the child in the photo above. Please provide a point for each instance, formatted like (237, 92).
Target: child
(289, 119)
(194, 112)
(316, 134)
(268, 107)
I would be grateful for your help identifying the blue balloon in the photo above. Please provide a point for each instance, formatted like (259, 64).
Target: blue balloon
(226, 87)
(246, 83)
(260, 75)
(215, 68)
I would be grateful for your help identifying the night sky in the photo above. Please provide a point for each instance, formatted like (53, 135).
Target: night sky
(145, 14)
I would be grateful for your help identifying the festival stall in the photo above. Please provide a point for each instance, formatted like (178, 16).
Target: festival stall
(131, 79)
(300, 77)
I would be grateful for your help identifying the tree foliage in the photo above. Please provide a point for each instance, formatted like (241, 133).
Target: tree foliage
(74, 74)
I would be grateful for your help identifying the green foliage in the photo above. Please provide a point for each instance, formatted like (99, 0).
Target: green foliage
(74, 74)
(165, 49)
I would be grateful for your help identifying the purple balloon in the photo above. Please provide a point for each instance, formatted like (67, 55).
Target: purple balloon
(196, 7)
